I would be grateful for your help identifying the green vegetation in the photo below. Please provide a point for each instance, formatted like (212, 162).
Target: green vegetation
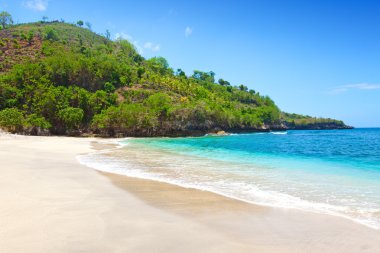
(296, 121)
(60, 78)
(11, 119)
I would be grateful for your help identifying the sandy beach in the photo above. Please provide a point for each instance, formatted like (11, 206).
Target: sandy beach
(51, 203)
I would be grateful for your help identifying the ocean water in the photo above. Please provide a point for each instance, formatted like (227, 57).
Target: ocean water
(335, 172)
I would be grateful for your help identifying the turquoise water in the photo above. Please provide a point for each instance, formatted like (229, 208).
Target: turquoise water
(334, 172)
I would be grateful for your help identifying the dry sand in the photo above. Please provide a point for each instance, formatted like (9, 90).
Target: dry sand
(51, 203)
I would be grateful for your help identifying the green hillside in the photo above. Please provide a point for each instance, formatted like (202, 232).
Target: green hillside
(59, 78)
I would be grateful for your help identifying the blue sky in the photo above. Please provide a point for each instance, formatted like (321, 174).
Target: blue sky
(320, 58)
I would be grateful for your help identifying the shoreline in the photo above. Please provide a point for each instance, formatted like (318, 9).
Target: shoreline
(51, 203)
(164, 180)
(185, 134)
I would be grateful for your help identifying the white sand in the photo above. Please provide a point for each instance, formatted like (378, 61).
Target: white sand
(50, 203)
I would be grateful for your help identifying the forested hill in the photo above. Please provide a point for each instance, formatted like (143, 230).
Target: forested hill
(59, 78)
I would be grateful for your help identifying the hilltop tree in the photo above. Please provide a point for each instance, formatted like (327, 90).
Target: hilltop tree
(212, 76)
(243, 87)
(5, 19)
(108, 34)
(204, 76)
(180, 72)
(80, 23)
(223, 82)
(159, 65)
(44, 19)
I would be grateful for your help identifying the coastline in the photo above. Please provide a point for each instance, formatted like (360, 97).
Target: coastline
(51, 203)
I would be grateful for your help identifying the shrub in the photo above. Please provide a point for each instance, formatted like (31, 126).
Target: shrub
(11, 119)
(71, 117)
(34, 120)
(109, 87)
(30, 37)
(125, 118)
(51, 34)
(22, 36)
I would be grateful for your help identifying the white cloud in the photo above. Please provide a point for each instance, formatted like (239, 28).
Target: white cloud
(364, 86)
(139, 46)
(188, 31)
(356, 86)
(37, 5)
(152, 46)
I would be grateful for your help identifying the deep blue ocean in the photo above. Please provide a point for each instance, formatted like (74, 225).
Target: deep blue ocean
(335, 172)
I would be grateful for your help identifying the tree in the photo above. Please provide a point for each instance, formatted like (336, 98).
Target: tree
(5, 19)
(243, 87)
(159, 61)
(108, 34)
(180, 72)
(223, 82)
(159, 65)
(212, 76)
(159, 102)
(125, 118)
(71, 117)
(44, 19)
(204, 76)
(80, 23)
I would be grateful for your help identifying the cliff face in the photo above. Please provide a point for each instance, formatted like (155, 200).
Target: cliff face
(58, 78)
